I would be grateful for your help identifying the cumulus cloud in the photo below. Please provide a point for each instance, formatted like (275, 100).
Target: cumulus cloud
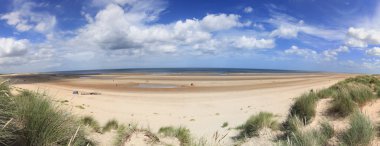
(24, 19)
(331, 54)
(253, 43)
(10, 47)
(125, 28)
(248, 9)
(306, 53)
(15, 53)
(375, 51)
(215, 22)
(118, 28)
(129, 28)
(362, 37)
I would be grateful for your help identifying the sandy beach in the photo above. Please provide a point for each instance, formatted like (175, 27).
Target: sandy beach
(201, 102)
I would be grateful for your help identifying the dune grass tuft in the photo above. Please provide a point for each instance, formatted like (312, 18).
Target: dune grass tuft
(120, 135)
(348, 97)
(32, 119)
(6, 116)
(110, 125)
(370, 81)
(4, 88)
(309, 138)
(361, 131)
(225, 124)
(43, 123)
(304, 106)
(91, 122)
(255, 123)
(360, 93)
(377, 90)
(327, 130)
(181, 133)
(302, 139)
(342, 105)
(292, 124)
(314, 137)
(123, 133)
(326, 93)
(365, 79)
(201, 142)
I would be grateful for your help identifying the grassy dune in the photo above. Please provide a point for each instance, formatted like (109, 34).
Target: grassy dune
(31, 119)
(360, 132)
(348, 96)
(304, 107)
(257, 122)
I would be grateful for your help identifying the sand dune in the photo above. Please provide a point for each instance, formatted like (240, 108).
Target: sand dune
(200, 102)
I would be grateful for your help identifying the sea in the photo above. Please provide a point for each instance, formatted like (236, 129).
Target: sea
(219, 71)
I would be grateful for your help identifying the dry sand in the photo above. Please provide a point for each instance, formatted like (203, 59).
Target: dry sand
(201, 102)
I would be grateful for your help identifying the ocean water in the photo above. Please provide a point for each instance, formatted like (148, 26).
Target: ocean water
(219, 71)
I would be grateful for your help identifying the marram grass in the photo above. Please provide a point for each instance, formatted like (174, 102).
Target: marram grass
(360, 133)
(257, 122)
(304, 107)
(110, 125)
(181, 133)
(91, 122)
(313, 137)
(34, 120)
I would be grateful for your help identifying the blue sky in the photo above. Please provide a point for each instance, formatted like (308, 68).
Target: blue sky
(50, 35)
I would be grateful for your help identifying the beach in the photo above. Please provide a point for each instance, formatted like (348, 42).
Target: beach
(199, 101)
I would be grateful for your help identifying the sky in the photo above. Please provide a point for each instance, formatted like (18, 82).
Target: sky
(313, 35)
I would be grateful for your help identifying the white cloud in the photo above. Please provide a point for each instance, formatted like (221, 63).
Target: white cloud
(306, 53)
(371, 64)
(289, 27)
(216, 22)
(331, 54)
(16, 53)
(365, 31)
(207, 47)
(352, 42)
(253, 43)
(126, 28)
(286, 32)
(116, 28)
(167, 48)
(123, 2)
(147, 10)
(375, 51)
(24, 19)
(326, 55)
(248, 9)
(362, 37)
(10, 47)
